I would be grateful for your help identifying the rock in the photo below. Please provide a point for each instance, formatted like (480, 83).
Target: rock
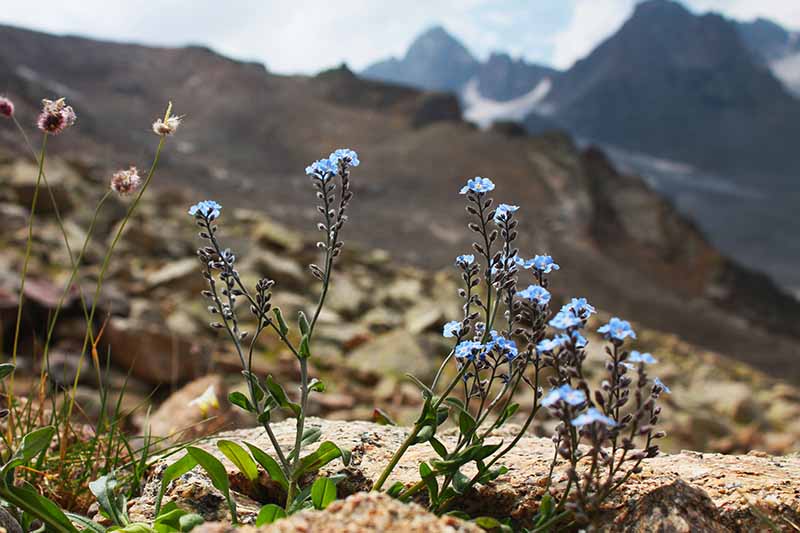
(359, 512)
(284, 270)
(21, 175)
(14, 216)
(270, 234)
(683, 492)
(403, 291)
(152, 353)
(677, 507)
(396, 352)
(424, 316)
(180, 275)
(8, 522)
(346, 297)
(181, 421)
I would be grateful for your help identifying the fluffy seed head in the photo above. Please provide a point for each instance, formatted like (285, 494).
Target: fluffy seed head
(168, 126)
(56, 116)
(125, 182)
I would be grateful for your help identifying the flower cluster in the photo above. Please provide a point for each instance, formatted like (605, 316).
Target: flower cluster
(207, 208)
(56, 116)
(501, 345)
(339, 161)
(6, 107)
(126, 182)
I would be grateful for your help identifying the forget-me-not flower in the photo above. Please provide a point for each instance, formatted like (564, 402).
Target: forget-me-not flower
(322, 169)
(551, 345)
(345, 155)
(580, 307)
(478, 185)
(542, 263)
(207, 208)
(451, 329)
(645, 358)
(566, 394)
(465, 260)
(506, 347)
(469, 350)
(503, 211)
(536, 294)
(661, 385)
(565, 320)
(617, 330)
(591, 416)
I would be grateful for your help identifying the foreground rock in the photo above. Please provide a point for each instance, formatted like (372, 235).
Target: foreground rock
(361, 512)
(682, 492)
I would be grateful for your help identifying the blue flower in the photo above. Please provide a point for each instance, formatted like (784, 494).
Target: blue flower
(345, 155)
(566, 394)
(536, 294)
(658, 383)
(207, 208)
(469, 350)
(322, 169)
(478, 185)
(542, 263)
(503, 211)
(617, 330)
(504, 346)
(565, 320)
(465, 260)
(451, 329)
(591, 416)
(645, 358)
(578, 340)
(551, 345)
(580, 307)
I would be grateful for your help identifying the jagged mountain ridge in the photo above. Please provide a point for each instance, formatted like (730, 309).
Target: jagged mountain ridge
(250, 146)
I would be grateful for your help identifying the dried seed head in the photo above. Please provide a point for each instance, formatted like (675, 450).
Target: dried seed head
(125, 182)
(168, 126)
(56, 116)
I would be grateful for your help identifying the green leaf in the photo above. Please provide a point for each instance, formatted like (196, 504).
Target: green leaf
(171, 473)
(302, 321)
(6, 369)
(216, 471)
(316, 385)
(258, 390)
(379, 416)
(438, 447)
(323, 492)
(491, 475)
(429, 477)
(395, 490)
(89, 526)
(427, 393)
(508, 412)
(310, 436)
(136, 527)
(305, 349)
(175, 520)
(282, 327)
(38, 506)
(240, 400)
(189, 521)
(264, 417)
(466, 423)
(32, 445)
(461, 483)
(268, 514)
(239, 457)
(425, 434)
(103, 490)
(280, 396)
(490, 524)
(327, 452)
(270, 465)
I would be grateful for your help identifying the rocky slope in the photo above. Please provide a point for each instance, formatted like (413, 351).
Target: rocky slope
(384, 318)
(684, 492)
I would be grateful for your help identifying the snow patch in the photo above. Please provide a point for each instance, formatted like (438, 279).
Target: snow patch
(787, 69)
(485, 111)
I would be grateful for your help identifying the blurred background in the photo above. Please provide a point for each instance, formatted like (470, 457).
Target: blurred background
(654, 149)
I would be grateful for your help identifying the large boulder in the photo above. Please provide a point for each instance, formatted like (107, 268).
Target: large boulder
(688, 491)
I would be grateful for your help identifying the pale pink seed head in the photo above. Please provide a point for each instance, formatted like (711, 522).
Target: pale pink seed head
(6, 107)
(126, 182)
(168, 126)
(56, 116)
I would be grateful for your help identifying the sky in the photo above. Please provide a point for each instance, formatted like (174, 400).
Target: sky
(306, 36)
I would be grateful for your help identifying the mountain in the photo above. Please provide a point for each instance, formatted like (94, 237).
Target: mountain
(438, 61)
(434, 61)
(778, 47)
(669, 79)
(619, 243)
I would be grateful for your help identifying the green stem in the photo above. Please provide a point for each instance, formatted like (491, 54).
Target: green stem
(23, 276)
